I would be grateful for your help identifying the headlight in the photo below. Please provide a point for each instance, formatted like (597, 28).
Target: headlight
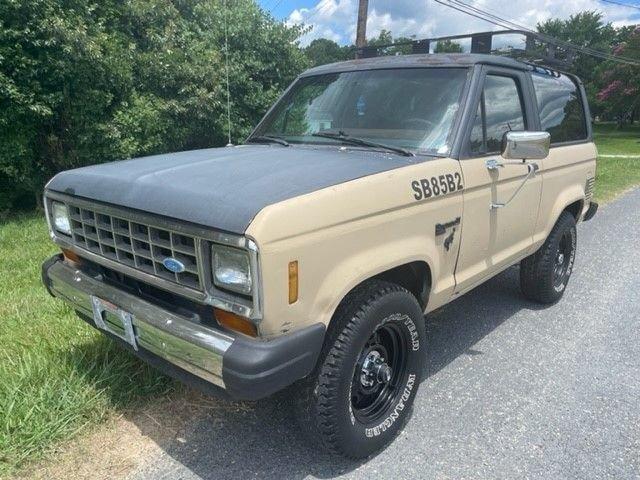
(231, 269)
(61, 218)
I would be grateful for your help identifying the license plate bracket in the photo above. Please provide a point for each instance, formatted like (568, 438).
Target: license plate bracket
(101, 308)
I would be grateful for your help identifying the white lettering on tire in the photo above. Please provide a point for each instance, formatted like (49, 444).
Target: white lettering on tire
(411, 326)
(395, 413)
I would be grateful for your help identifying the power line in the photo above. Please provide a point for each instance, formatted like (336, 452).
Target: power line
(322, 9)
(267, 8)
(509, 25)
(621, 4)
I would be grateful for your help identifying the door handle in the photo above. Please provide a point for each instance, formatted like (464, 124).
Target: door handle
(493, 165)
(532, 169)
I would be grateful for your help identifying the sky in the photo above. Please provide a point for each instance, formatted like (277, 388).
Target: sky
(336, 19)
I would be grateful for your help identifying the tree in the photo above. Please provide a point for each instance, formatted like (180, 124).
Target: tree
(447, 46)
(585, 29)
(619, 94)
(386, 38)
(322, 51)
(84, 82)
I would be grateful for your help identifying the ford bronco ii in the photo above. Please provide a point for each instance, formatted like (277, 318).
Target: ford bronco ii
(373, 192)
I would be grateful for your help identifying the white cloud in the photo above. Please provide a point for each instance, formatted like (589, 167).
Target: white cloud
(328, 19)
(336, 19)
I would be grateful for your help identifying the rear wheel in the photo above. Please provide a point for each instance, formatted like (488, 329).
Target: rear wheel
(545, 274)
(363, 389)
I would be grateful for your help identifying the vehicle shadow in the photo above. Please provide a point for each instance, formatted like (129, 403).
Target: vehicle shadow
(260, 439)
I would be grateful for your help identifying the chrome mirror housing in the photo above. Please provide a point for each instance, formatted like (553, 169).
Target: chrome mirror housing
(526, 145)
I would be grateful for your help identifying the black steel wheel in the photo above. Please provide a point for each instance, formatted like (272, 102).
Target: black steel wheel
(563, 259)
(379, 373)
(362, 391)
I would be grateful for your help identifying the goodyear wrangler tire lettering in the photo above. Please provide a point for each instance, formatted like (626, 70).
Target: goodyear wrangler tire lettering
(369, 374)
(436, 186)
(395, 413)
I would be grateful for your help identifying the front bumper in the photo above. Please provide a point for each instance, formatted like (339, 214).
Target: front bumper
(196, 354)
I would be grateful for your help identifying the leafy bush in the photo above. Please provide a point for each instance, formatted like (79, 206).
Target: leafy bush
(84, 82)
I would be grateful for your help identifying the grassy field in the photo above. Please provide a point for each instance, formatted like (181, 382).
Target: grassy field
(616, 174)
(58, 376)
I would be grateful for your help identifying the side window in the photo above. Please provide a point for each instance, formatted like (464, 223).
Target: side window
(500, 110)
(560, 107)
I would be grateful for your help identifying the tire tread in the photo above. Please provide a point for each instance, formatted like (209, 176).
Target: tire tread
(319, 415)
(536, 268)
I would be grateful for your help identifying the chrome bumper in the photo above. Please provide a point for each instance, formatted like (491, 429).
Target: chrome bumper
(188, 345)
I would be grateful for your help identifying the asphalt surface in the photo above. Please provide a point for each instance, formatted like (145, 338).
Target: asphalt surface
(512, 390)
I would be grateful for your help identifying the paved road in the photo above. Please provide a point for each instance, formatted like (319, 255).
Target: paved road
(513, 390)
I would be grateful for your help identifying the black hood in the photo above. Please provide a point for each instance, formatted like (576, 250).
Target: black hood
(223, 188)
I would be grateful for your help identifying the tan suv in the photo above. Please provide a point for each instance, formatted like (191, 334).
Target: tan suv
(373, 192)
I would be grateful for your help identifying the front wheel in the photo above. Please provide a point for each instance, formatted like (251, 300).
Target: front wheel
(545, 274)
(363, 389)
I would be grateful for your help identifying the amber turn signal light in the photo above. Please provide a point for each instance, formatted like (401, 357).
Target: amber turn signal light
(71, 256)
(293, 282)
(235, 322)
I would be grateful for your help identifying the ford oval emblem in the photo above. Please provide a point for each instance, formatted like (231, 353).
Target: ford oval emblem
(173, 265)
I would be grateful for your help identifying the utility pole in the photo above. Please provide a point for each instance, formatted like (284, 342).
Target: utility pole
(361, 32)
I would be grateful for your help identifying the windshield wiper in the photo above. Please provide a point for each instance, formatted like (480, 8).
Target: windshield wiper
(270, 139)
(360, 141)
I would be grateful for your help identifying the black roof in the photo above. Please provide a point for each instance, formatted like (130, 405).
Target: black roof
(419, 61)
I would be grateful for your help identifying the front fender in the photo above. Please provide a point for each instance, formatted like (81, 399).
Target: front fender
(348, 233)
(367, 263)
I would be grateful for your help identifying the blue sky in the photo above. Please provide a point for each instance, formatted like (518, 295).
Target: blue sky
(284, 9)
(336, 19)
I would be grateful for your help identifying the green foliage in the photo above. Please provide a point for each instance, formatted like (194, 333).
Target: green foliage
(57, 374)
(385, 38)
(322, 51)
(618, 84)
(586, 29)
(84, 82)
(447, 46)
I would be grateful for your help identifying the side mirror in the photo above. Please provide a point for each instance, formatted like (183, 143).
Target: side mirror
(526, 145)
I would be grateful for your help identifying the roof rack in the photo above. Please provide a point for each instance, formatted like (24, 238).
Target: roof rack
(537, 50)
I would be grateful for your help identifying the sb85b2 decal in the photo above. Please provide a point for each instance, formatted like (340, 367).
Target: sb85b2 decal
(435, 186)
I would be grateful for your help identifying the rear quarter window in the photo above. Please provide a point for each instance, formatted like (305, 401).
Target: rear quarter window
(560, 107)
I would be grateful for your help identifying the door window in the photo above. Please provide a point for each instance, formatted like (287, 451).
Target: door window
(560, 106)
(500, 110)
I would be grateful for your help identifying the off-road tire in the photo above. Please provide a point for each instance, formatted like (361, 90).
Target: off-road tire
(325, 407)
(538, 279)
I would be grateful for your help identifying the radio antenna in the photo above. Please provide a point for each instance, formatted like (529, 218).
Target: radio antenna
(226, 61)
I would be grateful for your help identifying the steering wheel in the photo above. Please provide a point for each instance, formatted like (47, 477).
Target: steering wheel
(421, 123)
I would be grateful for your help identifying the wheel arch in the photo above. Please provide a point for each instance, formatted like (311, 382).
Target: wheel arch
(572, 200)
(575, 209)
(415, 276)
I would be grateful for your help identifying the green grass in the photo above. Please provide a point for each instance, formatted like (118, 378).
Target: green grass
(615, 175)
(58, 375)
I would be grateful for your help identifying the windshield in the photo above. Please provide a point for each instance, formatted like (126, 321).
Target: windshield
(406, 108)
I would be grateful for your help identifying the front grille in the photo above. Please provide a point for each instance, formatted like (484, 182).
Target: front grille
(137, 245)
(588, 188)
